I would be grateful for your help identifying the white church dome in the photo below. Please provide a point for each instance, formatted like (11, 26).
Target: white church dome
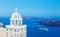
(16, 15)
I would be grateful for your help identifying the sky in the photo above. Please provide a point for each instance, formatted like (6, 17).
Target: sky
(38, 8)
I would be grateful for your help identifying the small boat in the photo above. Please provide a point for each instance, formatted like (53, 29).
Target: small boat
(41, 28)
(45, 29)
(51, 22)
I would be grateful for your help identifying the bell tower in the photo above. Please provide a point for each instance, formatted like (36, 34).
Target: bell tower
(16, 19)
(16, 28)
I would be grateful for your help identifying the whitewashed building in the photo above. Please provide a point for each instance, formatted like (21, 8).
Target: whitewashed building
(16, 28)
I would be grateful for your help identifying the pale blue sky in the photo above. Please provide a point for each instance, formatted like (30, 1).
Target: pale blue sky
(41, 8)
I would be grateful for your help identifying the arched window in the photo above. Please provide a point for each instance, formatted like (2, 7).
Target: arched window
(15, 30)
(16, 22)
(21, 35)
(10, 29)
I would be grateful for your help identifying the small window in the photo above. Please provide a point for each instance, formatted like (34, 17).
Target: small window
(16, 22)
(11, 29)
(15, 30)
(21, 35)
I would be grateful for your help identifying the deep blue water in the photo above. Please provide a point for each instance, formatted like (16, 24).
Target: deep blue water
(32, 31)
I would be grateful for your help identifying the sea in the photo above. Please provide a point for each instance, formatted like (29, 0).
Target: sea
(34, 28)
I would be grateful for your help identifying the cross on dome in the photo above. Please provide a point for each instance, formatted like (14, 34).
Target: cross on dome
(16, 10)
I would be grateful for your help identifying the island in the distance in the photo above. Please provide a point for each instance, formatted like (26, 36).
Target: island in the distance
(55, 23)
